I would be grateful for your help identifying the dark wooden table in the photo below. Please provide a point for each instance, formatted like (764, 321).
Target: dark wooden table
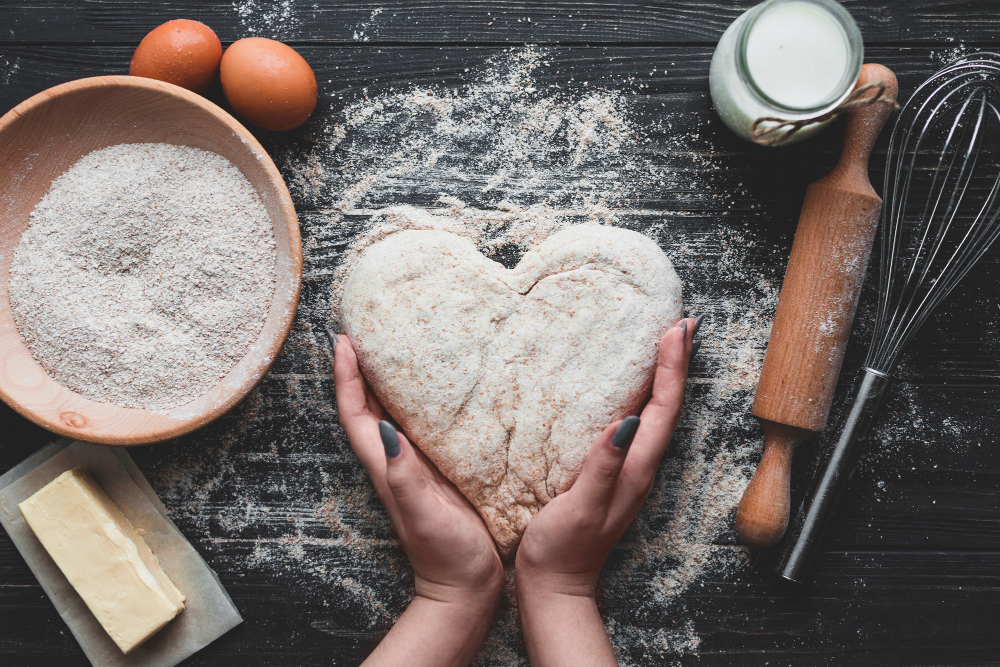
(276, 503)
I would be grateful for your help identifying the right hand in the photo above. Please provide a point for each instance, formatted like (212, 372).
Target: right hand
(565, 545)
(567, 542)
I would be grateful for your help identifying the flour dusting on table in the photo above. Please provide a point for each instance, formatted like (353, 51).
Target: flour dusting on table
(515, 153)
(276, 19)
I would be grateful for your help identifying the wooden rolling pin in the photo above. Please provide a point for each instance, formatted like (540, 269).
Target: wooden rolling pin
(814, 315)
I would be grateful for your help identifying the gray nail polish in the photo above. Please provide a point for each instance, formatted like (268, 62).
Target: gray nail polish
(695, 347)
(333, 338)
(390, 439)
(684, 328)
(697, 324)
(625, 432)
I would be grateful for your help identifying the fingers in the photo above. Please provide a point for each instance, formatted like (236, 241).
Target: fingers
(599, 477)
(349, 384)
(355, 411)
(660, 415)
(658, 420)
(410, 487)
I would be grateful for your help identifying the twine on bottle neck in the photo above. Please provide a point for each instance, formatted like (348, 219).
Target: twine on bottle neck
(768, 136)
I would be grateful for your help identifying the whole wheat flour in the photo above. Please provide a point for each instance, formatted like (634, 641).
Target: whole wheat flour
(504, 378)
(145, 274)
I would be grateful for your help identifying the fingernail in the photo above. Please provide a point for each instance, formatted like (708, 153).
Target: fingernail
(684, 328)
(333, 338)
(390, 439)
(695, 347)
(697, 324)
(625, 432)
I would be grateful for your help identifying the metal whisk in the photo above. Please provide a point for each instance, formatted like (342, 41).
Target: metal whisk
(942, 194)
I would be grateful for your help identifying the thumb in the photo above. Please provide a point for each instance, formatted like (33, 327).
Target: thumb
(599, 477)
(404, 476)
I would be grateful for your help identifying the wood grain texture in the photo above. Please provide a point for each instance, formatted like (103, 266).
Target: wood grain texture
(910, 576)
(45, 135)
(470, 21)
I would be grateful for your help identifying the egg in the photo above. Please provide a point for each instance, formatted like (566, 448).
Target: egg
(268, 83)
(182, 52)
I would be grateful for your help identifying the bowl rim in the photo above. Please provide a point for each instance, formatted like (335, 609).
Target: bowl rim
(294, 259)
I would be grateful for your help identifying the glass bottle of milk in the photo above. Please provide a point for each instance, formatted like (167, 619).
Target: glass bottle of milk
(787, 59)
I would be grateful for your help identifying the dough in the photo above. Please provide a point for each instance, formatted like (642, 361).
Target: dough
(504, 378)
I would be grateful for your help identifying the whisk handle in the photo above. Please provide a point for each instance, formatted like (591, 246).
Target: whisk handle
(813, 518)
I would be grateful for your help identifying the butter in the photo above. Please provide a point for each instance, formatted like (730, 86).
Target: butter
(103, 557)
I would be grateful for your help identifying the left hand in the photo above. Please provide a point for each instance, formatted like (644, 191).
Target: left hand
(453, 556)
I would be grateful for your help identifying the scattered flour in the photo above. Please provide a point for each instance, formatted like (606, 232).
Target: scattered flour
(145, 274)
(363, 31)
(8, 68)
(505, 164)
(951, 54)
(277, 19)
(506, 158)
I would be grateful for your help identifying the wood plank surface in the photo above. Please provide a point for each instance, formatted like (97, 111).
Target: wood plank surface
(472, 21)
(911, 572)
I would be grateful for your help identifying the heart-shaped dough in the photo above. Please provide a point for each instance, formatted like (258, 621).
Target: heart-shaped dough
(502, 377)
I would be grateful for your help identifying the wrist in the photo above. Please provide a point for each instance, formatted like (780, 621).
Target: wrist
(436, 631)
(542, 583)
(468, 619)
(473, 602)
(560, 623)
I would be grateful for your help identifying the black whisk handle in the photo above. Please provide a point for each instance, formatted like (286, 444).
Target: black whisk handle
(810, 523)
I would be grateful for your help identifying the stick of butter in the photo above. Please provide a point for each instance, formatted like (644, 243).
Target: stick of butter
(103, 557)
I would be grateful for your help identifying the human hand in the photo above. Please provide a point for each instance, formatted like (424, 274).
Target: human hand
(565, 545)
(457, 571)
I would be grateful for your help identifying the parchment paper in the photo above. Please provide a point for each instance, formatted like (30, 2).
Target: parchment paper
(210, 612)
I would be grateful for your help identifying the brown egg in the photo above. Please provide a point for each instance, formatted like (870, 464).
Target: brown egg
(268, 83)
(182, 52)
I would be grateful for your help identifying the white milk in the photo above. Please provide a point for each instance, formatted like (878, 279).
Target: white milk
(791, 59)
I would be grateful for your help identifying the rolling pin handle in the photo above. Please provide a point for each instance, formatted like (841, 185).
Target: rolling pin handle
(865, 124)
(762, 516)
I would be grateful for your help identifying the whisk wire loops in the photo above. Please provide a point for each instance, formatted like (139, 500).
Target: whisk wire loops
(942, 194)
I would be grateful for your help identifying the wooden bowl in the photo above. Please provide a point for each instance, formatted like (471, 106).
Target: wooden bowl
(44, 136)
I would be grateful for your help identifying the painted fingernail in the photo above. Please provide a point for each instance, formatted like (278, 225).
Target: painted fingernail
(697, 324)
(390, 439)
(625, 432)
(684, 328)
(695, 347)
(333, 338)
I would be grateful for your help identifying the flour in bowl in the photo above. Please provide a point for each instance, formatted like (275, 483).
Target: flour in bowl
(145, 274)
